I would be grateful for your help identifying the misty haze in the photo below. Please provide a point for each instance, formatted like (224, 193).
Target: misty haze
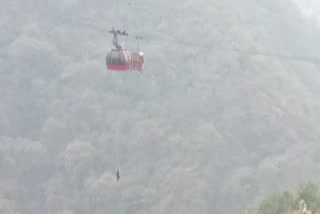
(159, 106)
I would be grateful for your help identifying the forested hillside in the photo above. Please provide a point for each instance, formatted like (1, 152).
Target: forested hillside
(202, 130)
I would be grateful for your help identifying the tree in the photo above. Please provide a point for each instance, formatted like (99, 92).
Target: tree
(103, 194)
(278, 203)
(78, 159)
(310, 194)
(7, 206)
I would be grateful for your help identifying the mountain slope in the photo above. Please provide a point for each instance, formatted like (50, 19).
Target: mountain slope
(203, 130)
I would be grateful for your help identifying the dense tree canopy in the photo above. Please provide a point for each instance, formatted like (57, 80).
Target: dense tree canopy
(203, 130)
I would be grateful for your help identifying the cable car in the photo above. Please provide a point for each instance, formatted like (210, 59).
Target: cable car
(120, 59)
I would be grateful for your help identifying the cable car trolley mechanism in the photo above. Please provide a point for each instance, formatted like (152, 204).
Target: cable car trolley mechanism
(120, 59)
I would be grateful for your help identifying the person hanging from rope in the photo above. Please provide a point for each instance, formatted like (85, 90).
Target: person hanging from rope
(118, 174)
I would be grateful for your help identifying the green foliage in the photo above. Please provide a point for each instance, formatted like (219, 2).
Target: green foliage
(286, 202)
(309, 192)
(278, 203)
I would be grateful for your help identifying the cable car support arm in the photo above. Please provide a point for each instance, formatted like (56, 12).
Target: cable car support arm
(115, 37)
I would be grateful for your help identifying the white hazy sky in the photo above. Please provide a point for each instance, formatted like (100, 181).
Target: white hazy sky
(309, 8)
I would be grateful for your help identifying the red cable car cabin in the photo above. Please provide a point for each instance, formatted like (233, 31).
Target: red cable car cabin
(123, 60)
(118, 60)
